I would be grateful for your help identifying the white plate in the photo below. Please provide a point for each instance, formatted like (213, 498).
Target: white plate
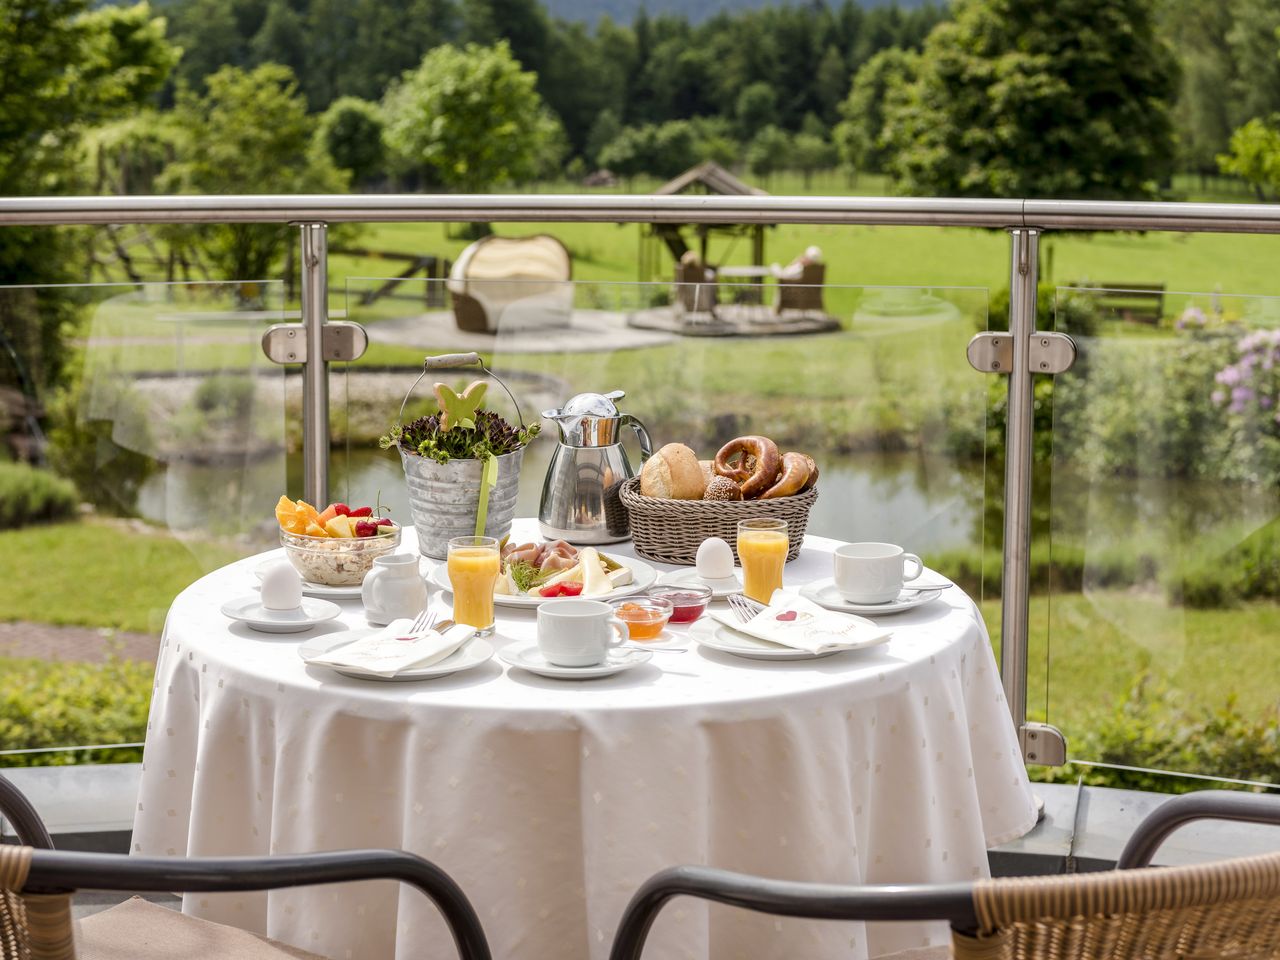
(825, 594)
(642, 577)
(688, 577)
(717, 636)
(471, 654)
(251, 612)
(527, 656)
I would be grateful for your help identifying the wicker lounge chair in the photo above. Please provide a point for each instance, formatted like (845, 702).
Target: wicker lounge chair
(802, 293)
(696, 289)
(36, 883)
(512, 283)
(1229, 909)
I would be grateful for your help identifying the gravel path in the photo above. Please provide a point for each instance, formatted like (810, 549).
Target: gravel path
(50, 642)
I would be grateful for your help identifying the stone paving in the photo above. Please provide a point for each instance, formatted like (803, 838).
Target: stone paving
(52, 642)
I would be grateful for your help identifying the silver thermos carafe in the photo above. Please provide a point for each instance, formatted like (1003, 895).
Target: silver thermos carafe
(580, 501)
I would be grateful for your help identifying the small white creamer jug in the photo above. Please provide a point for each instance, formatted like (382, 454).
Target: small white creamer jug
(393, 589)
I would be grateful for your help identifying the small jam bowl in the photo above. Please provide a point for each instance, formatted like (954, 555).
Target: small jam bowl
(688, 603)
(644, 616)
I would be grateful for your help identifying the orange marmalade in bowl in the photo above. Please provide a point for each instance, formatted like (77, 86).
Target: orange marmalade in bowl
(644, 616)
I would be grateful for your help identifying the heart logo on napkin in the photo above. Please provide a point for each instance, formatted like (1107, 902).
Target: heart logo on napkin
(787, 615)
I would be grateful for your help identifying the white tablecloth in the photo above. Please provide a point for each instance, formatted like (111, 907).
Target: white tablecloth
(550, 802)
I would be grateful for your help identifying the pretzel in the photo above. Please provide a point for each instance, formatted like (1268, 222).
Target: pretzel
(734, 461)
(795, 474)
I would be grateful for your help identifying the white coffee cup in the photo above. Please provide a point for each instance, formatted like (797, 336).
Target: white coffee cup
(873, 572)
(578, 633)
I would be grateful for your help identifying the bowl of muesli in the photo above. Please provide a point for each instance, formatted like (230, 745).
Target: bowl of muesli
(338, 561)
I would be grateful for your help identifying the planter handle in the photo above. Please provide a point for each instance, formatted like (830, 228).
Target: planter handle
(448, 361)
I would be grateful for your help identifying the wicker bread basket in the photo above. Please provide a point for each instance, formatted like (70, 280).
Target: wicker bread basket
(670, 531)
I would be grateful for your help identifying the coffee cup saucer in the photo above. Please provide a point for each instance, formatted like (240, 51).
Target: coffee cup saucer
(825, 594)
(527, 656)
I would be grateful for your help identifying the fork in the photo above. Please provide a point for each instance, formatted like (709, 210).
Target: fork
(421, 624)
(744, 607)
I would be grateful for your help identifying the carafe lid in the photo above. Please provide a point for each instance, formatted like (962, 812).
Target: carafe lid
(580, 418)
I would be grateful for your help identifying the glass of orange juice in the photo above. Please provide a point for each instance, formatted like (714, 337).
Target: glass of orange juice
(762, 550)
(473, 565)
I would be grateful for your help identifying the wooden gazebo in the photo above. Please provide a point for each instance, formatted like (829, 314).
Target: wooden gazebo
(705, 178)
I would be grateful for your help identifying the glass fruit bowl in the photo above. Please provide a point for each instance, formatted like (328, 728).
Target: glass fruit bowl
(337, 561)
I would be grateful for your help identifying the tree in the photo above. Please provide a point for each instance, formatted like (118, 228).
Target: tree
(663, 150)
(757, 108)
(1255, 156)
(832, 83)
(469, 118)
(1019, 99)
(603, 132)
(860, 136)
(65, 69)
(248, 133)
(768, 151)
(810, 153)
(350, 133)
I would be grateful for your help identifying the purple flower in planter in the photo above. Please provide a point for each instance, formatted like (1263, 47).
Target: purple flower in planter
(1240, 397)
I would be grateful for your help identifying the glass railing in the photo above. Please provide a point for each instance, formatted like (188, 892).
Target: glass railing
(1159, 537)
(172, 426)
(1153, 491)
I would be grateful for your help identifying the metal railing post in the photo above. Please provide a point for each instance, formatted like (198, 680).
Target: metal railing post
(1015, 599)
(315, 369)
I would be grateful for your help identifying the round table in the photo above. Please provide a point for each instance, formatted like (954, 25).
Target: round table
(551, 801)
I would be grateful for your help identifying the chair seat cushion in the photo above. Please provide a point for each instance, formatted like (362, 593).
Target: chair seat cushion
(140, 930)
(941, 952)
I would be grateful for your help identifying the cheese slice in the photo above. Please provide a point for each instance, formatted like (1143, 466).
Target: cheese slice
(620, 577)
(594, 581)
(505, 586)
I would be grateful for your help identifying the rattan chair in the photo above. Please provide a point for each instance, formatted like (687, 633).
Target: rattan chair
(1228, 910)
(37, 882)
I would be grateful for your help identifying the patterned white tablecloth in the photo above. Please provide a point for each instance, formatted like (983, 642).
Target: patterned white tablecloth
(551, 801)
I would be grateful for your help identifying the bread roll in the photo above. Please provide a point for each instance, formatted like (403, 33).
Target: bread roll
(672, 473)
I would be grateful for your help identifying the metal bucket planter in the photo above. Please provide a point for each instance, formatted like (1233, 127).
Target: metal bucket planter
(444, 499)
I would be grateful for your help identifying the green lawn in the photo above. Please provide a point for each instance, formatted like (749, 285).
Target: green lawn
(99, 574)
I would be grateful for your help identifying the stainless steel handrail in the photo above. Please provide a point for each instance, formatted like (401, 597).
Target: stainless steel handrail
(608, 208)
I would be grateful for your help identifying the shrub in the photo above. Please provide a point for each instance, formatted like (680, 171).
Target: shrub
(50, 704)
(107, 475)
(28, 495)
(1153, 729)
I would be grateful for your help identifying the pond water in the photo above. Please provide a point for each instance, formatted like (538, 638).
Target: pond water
(925, 503)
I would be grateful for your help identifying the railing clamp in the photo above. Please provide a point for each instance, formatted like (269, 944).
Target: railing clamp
(1043, 743)
(342, 342)
(992, 352)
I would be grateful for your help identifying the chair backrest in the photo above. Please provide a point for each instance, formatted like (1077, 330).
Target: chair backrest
(1228, 909)
(32, 926)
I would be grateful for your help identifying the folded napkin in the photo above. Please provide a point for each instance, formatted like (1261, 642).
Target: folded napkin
(383, 654)
(792, 621)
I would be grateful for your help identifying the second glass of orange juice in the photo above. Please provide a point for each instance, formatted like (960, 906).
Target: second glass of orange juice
(473, 565)
(762, 550)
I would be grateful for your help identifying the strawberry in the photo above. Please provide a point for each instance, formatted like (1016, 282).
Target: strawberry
(342, 510)
(361, 512)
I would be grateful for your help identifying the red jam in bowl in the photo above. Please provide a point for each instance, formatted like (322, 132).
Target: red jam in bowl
(688, 603)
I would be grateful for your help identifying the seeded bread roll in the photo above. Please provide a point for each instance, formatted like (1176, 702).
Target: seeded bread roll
(673, 473)
(722, 488)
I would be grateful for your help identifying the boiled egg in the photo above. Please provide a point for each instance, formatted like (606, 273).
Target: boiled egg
(714, 559)
(281, 587)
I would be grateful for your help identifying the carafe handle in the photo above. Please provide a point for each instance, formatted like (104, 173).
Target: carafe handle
(646, 445)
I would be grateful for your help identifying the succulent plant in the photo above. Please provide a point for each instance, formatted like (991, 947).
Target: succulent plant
(491, 435)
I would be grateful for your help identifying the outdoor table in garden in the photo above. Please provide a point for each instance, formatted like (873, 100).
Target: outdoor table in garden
(550, 802)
